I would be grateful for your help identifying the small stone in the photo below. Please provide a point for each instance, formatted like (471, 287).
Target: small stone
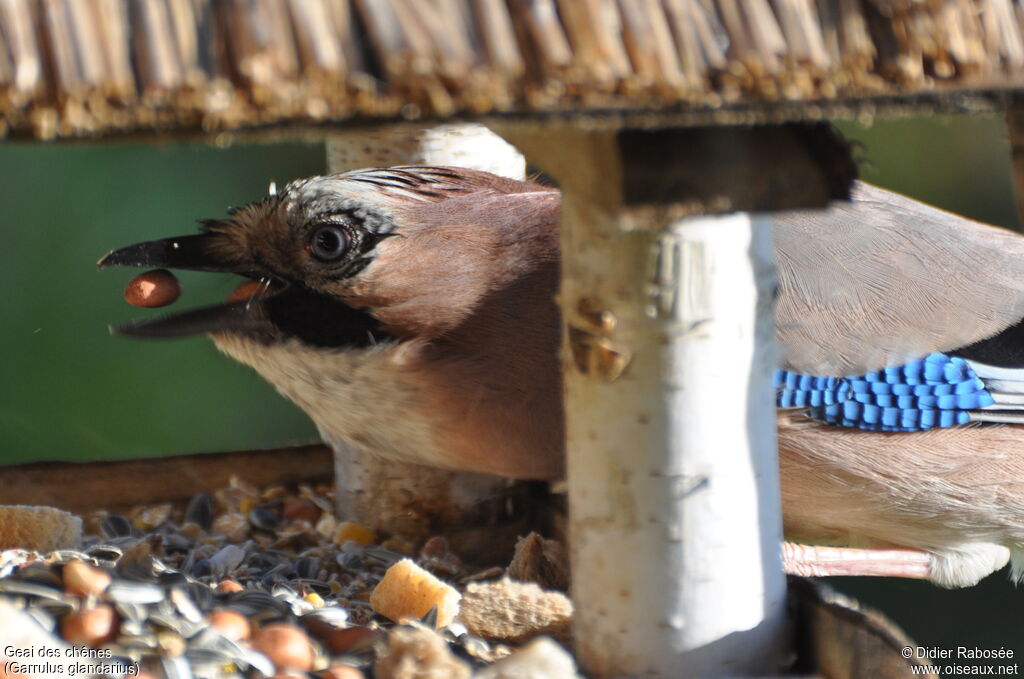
(300, 509)
(540, 659)
(408, 591)
(239, 496)
(202, 568)
(287, 646)
(348, 530)
(83, 580)
(326, 526)
(139, 556)
(231, 624)
(416, 652)
(152, 289)
(192, 531)
(90, 626)
(92, 522)
(273, 493)
(541, 561)
(227, 558)
(437, 556)
(228, 585)
(233, 526)
(148, 518)
(397, 544)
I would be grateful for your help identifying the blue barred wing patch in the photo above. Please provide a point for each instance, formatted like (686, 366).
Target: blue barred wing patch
(936, 391)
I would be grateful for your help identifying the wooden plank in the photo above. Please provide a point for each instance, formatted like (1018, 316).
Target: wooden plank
(118, 484)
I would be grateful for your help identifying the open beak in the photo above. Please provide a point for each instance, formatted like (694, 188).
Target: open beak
(193, 253)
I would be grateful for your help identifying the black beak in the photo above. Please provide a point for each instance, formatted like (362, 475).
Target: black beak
(246, 316)
(191, 253)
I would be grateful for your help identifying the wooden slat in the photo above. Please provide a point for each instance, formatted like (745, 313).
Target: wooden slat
(498, 37)
(115, 485)
(648, 40)
(694, 29)
(319, 45)
(160, 69)
(595, 33)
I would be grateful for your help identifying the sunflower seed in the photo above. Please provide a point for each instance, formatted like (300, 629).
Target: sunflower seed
(200, 511)
(31, 589)
(126, 591)
(184, 605)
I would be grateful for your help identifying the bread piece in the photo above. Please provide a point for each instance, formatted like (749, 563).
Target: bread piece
(513, 612)
(408, 591)
(42, 529)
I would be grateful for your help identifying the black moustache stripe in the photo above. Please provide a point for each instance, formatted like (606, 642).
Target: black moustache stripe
(322, 321)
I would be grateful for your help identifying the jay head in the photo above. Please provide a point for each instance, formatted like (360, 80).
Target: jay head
(409, 311)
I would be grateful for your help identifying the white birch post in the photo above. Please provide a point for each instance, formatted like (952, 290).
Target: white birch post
(674, 507)
(454, 144)
(404, 499)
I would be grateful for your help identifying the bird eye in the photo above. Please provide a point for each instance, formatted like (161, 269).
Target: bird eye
(328, 243)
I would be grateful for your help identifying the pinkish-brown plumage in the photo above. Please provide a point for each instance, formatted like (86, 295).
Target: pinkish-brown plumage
(434, 339)
(464, 286)
(957, 494)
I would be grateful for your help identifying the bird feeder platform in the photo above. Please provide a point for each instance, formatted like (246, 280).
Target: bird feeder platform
(278, 501)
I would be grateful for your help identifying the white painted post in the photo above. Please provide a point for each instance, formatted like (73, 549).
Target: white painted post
(404, 499)
(455, 144)
(672, 474)
(674, 507)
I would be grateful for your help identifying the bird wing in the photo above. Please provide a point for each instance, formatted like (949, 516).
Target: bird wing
(885, 279)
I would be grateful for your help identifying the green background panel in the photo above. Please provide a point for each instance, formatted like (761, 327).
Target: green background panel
(70, 389)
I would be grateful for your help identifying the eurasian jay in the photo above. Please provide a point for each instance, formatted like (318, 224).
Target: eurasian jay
(410, 312)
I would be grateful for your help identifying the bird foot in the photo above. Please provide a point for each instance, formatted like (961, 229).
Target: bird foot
(820, 561)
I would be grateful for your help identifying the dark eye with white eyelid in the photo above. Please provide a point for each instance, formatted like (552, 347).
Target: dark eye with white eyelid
(328, 243)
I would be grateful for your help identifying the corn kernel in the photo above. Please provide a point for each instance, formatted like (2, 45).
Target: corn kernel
(349, 530)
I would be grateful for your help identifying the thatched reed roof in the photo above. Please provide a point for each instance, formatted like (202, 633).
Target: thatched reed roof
(84, 67)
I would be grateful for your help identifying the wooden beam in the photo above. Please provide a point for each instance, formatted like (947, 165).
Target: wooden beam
(116, 485)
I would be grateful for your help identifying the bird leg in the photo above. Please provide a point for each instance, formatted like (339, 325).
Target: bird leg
(820, 561)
